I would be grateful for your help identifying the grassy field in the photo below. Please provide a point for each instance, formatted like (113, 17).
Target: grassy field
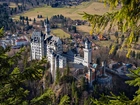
(84, 28)
(72, 12)
(60, 33)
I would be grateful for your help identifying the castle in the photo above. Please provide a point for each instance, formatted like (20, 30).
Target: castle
(51, 47)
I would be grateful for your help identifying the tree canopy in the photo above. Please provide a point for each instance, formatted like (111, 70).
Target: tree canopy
(15, 81)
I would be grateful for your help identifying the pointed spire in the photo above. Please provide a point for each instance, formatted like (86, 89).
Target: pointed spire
(47, 26)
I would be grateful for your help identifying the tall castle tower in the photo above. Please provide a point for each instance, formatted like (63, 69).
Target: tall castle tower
(47, 26)
(37, 45)
(87, 53)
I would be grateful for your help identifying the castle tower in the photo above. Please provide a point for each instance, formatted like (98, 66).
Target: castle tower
(47, 26)
(87, 53)
(104, 80)
(37, 45)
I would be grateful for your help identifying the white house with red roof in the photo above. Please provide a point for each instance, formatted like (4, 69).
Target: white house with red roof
(21, 42)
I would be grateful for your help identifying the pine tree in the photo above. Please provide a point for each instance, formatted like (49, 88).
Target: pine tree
(13, 80)
(98, 61)
(86, 102)
(38, 16)
(34, 21)
(73, 88)
(65, 100)
(138, 55)
(57, 76)
(45, 99)
(137, 38)
(83, 86)
(76, 98)
(20, 18)
(26, 18)
(133, 54)
(122, 38)
(67, 70)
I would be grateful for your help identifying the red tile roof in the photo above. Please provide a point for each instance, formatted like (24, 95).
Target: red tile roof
(19, 40)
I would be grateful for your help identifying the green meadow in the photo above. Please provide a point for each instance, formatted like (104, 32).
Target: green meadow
(71, 12)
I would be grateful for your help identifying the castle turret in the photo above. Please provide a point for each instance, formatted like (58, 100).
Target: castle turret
(47, 26)
(104, 80)
(87, 53)
(37, 45)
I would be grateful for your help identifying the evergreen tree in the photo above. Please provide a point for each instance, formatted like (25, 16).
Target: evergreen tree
(83, 86)
(65, 100)
(27, 23)
(76, 98)
(133, 54)
(23, 18)
(116, 35)
(86, 102)
(122, 38)
(67, 70)
(139, 55)
(45, 99)
(38, 16)
(26, 18)
(20, 18)
(11, 13)
(57, 80)
(34, 20)
(137, 38)
(13, 80)
(15, 10)
(98, 61)
(73, 88)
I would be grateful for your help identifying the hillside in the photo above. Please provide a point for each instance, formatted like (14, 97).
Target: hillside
(71, 12)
